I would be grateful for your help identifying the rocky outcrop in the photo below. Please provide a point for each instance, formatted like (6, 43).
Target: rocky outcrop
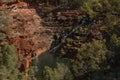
(29, 36)
(7, 1)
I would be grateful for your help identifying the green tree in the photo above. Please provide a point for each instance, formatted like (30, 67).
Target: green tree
(8, 62)
(61, 72)
(89, 58)
(8, 56)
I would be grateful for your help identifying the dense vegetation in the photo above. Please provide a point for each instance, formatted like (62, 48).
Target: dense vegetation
(91, 58)
(83, 56)
(8, 57)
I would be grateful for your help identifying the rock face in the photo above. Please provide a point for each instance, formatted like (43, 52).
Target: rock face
(7, 1)
(30, 37)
